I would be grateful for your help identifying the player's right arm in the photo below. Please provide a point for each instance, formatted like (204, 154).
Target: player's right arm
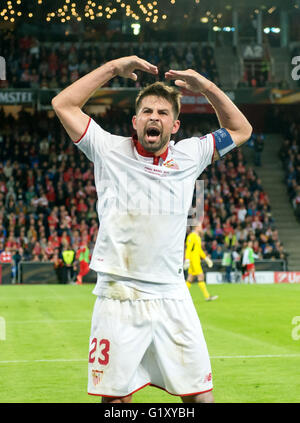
(69, 102)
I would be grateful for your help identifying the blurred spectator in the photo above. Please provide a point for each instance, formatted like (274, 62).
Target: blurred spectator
(258, 149)
(34, 64)
(289, 153)
(247, 210)
(217, 254)
(16, 258)
(6, 255)
(227, 264)
(68, 257)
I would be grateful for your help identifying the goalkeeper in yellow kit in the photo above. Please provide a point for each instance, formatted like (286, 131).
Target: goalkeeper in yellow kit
(192, 263)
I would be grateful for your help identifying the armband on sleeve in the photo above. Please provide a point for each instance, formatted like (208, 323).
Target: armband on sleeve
(224, 142)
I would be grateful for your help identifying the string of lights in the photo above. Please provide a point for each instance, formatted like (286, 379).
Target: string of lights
(139, 10)
(151, 11)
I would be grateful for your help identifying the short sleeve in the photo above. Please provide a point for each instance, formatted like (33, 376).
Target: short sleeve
(95, 141)
(206, 150)
(200, 149)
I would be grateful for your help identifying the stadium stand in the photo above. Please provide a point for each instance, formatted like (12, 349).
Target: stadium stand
(237, 210)
(289, 155)
(31, 64)
(47, 194)
(273, 174)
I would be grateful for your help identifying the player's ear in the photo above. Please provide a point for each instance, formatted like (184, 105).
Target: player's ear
(176, 126)
(134, 121)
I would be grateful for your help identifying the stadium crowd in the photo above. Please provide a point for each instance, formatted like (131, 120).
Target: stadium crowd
(237, 210)
(289, 155)
(48, 197)
(31, 64)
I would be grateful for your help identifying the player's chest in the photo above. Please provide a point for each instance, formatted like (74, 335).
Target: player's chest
(147, 186)
(173, 167)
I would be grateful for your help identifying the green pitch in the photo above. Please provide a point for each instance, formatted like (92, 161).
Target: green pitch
(251, 332)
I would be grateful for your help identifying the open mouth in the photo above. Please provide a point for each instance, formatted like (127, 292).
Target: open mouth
(152, 134)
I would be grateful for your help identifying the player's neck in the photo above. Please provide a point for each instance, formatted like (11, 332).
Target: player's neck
(163, 152)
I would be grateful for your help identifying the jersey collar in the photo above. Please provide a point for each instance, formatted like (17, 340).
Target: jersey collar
(143, 154)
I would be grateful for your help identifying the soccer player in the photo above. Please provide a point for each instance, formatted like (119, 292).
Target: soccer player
(145, 329)
(83, 257)
(248, 262)
(193, 255)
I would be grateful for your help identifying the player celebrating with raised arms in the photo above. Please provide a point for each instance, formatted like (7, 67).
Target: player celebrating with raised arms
(145, 329)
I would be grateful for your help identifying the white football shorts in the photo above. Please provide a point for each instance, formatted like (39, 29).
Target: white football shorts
(155, 342)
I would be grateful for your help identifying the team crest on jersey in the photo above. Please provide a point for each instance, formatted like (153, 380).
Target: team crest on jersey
(97, 376)
(171, 164)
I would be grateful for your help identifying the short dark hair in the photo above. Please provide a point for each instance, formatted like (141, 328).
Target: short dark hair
(159, 89)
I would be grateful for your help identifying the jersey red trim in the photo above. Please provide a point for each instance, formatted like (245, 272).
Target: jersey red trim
(181, 395)
(155, 386)
(143, 152)
(87, 127)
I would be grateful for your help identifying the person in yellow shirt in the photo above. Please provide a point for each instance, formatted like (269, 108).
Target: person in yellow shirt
(193, 255)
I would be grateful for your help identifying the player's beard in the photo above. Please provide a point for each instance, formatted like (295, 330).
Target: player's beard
(154, 147)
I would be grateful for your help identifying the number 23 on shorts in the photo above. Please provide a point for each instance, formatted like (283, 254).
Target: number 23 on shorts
(104, 346)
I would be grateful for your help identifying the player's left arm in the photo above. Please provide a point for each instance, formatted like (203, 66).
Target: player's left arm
(201, 251)
(235, 128)
(205, 257)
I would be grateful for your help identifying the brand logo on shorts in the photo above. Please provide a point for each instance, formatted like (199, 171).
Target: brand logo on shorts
(97, 376)
(208, 378)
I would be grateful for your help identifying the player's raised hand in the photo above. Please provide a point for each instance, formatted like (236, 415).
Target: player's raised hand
(189, 79)
(125, 67)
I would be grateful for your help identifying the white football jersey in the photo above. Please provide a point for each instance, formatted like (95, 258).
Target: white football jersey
(143, 207)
